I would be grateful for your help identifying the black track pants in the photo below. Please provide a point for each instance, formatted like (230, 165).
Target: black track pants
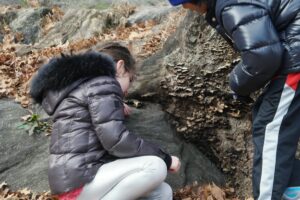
(276, 132)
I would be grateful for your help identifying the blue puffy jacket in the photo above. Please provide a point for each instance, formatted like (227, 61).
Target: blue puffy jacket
(265, 32)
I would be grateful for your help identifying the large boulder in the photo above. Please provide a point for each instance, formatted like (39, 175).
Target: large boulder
(144, 2)
(28, 22)
(6, 16)
(194, 90)
(78, 24)
(98, 4)
(152, 123)
(5, 2)
(150, 13)
(189, 78)
(60, 3)
(77, 4)
(23, 158)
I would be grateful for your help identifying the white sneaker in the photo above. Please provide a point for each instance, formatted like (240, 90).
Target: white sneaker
(291, 193)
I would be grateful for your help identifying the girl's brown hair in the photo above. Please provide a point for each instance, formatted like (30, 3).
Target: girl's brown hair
(118, 52)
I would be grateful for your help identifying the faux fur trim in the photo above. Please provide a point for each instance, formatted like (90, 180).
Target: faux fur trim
(65, 70)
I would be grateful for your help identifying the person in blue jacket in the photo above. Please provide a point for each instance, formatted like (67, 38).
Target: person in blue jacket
(267, 35)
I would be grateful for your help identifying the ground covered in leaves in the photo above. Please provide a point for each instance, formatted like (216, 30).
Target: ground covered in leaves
(193, 192)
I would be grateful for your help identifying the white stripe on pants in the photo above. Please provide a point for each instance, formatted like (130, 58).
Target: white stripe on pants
(129, 179)
(270, 144)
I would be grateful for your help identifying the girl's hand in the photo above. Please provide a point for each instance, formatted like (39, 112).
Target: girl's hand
(127, 110)
(175, 165)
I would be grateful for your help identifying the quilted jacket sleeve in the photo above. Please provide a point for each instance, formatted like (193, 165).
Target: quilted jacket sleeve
(107, 115)
(254, 35)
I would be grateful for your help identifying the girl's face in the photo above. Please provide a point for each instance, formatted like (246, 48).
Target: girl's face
(123, 77)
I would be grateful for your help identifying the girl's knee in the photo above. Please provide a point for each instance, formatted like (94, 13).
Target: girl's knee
(157, 166)
(156, 163)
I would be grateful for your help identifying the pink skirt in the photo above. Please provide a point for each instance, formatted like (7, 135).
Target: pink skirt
(72, 195)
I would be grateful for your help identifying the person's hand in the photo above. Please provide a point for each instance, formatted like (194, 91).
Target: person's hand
(242, 99)
(127, 110)
(175, 165)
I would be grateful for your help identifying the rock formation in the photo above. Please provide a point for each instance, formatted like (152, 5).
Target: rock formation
(196, 94)
(24, 158)
(188, 77)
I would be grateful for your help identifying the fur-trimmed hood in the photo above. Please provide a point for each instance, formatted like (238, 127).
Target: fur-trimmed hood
(62, 75)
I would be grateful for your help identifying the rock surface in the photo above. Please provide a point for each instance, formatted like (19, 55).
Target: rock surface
(150, 13)
(6, 16)
(28, 22)
(151, 123)
(189, 78)
(195, 92)
(90, 4)
(23, 158)
(78, 24)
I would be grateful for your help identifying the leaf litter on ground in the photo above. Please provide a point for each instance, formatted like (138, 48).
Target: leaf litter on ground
(192, 192)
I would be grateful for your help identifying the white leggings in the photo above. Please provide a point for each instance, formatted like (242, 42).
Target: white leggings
(129, 179)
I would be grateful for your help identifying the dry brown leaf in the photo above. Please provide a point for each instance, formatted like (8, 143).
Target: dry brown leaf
(210, 197)
(5, 192)
(217, 193)
(26, 117)
(25, 191)
(33, 3)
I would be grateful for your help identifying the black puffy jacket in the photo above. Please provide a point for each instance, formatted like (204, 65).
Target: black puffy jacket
(267, 35)
(85, 101)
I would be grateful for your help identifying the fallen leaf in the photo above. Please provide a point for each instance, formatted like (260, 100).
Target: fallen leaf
(26, 117)
(217, 193)
(25, 191)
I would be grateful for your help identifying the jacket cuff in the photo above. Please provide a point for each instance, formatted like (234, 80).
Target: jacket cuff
(241, 82)
(168, 160)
